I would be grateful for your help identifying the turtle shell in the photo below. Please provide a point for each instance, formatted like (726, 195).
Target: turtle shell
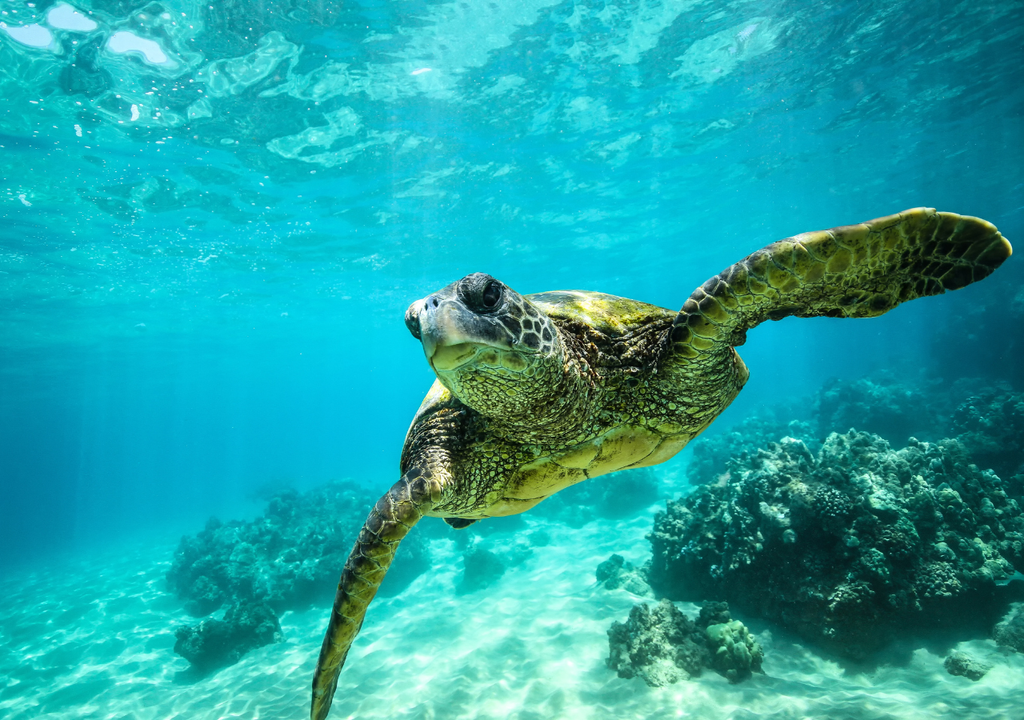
(608, 314)
(628, 445)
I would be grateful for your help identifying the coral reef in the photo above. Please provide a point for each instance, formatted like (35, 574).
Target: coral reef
(987, 417)
(849, 548)
(482, 567)
(612, 496)
(880, 404)
(1009, 632)
(713, 454)
(960, 663)
(663, 646)
(735, 653)
(990, 424)
(289, 558)
(214, 644)
(616, 572)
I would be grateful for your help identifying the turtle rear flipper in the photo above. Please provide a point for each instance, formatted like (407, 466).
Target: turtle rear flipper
(854, 271)
(387, 525)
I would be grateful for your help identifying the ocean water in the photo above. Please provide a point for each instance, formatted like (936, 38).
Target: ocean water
(212, 219)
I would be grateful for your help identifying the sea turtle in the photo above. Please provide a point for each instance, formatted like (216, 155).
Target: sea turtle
(536, 393)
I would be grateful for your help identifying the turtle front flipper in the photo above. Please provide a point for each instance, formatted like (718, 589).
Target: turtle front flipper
(388, 523)
(854, 271)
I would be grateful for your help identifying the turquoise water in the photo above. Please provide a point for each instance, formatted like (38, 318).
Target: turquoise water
(213, 217)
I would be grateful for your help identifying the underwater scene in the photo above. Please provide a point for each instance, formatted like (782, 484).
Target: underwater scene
(288, 283)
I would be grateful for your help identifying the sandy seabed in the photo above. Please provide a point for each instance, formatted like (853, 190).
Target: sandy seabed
(93, 638)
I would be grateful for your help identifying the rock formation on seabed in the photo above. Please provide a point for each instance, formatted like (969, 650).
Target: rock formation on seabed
(881, 404)
(663, 646)
(990, 424)
(617, 572)
(288, 558)
(714, 454)
(848, 548)
(213, 643)
(986, 416)
(1009, 632)
(962, 664)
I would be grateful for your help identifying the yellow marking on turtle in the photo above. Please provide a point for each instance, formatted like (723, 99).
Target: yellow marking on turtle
(666, 450)
(578, 458)
(512, 362)
(448, 357)
(608, 314)
(620, 447)
(541, 478)
(509, 506)
(839, 262)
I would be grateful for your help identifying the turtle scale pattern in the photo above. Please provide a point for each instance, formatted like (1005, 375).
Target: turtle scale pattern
(535, 393)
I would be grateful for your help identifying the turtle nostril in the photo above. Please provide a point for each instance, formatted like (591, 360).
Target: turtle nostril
(433, 301)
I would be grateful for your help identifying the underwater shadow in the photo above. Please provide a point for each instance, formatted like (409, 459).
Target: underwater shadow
(973, 622)
(193, 675)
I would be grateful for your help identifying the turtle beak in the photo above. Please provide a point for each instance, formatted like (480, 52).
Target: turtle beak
(414, 317)
(450, 333)
(427, 320)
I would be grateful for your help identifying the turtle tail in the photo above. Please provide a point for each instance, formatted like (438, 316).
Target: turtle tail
(387, 525)
(854, 271)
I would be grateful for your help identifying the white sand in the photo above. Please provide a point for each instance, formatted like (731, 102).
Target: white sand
(94, 638)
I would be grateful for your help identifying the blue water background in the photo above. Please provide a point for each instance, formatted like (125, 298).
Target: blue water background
(202, 292)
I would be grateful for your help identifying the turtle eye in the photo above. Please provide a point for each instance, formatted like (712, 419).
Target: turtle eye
(491, 295)
(480, 292)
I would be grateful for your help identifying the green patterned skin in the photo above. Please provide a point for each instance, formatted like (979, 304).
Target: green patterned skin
(536, 393)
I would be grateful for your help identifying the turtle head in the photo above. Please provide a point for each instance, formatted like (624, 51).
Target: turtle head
(488, 345)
